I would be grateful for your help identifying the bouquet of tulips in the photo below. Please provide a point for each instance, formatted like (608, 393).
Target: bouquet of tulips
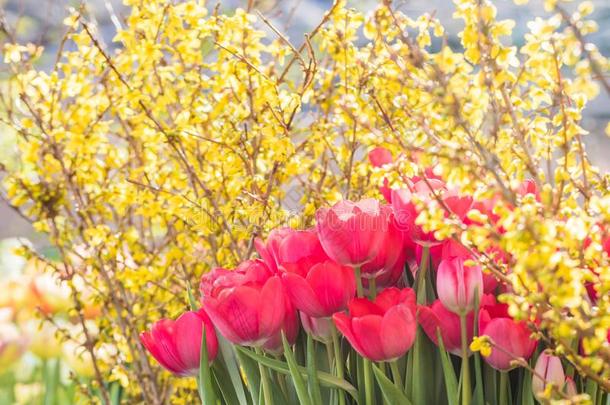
(366, 308)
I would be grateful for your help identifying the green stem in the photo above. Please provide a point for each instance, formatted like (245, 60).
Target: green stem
(466, 388)
(368, 382)
(396, 374)
(373, 287)
(421, 276)
(503, 388)
(265, 381)
(359, 288)
(338, 358)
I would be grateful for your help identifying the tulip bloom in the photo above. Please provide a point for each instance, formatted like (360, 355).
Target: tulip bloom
(382, 330)
(511, 339)
(458, 285)
(352, 233)
(450, 249)
(247, 305)
(176, 345)
(436, 317)
(326, 289)
(291, 250)
(548, 371)
(380, 156)
(406, 211)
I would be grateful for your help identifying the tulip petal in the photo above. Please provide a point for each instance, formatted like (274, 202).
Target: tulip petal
(271, 307)
(397, 331)
(302, 295)
(367, 330)
(187, 339)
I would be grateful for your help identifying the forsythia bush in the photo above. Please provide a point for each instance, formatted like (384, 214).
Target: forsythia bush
(152, 164)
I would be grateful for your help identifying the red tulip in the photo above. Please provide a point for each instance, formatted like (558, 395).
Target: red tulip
(381, 330)
(247, 305)
(319, 328)
(436, 317)
(511, 339)
(388, 255)
(458, 285)
(176, 345)
(380, 156)
(292, 250)
(326, 289)
(351, 233)
(548, 371)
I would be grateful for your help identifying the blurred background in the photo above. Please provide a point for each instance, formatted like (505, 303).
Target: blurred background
(26, 292)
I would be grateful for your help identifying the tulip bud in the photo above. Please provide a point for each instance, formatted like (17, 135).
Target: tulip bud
(176, 345)
(548, 370)
(459, 285)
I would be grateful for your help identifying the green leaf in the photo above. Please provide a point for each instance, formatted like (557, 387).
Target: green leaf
(250, 368)
(527, 396)
(227, 357)
(223, 382)
(192, 301)
(312, 371)
(326, 379)
(206, 388)
(390, 392)
(297, 378)
(451, 384)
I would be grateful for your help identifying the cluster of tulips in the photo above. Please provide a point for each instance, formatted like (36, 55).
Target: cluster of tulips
(346, 283)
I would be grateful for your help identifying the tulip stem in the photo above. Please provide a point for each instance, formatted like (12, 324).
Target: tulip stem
(265, 381)
(359, 288)
(466, 389)
(338, 360)
(396, 374)
(368, 381)
(503, 388)
(373, 287)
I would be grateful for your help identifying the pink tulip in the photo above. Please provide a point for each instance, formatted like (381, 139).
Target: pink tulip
(450, 249)
(459, 285)
(548, 371)
(326, 289)
(291, 250)
(249, 272)
(381, 330)
(437, 317)
(351, 233)
(247, 305)
(176, 345)
(380, 156)
(511, 339)
(425, 190)
(319, 328)
(388, 255)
